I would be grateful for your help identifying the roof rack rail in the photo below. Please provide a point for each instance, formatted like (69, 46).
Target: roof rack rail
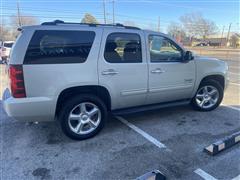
(56, 22)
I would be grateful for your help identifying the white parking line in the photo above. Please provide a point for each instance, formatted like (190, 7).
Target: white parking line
(204, 175)
(234, 83)
(141, 132)
(234, 67)
(231, 107)
(237, 178)
(233, 73)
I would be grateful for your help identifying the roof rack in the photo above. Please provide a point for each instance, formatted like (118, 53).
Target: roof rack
(56, 22)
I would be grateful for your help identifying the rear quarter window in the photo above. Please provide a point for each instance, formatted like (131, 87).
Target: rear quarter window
(59, 47)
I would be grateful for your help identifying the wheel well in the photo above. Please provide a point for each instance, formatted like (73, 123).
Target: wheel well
(99, 91)
(218, 78)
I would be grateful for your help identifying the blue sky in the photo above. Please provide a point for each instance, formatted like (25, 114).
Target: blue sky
(143, 13)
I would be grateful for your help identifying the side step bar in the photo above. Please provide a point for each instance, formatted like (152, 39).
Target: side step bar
(150, 107)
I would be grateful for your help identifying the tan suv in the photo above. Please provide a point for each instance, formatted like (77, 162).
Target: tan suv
(77, 73)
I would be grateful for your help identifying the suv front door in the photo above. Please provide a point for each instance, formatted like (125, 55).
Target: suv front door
(170, 78)
(122, 67)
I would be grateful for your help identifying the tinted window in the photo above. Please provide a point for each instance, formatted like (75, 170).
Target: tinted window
(50, 47)
(163, 50)
(123, 48)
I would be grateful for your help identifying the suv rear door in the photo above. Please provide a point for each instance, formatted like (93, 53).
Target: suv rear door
(122, 66)
(170, 79)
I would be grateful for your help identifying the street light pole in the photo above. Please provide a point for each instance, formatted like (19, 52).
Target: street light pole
(104, 12)
(113, 11)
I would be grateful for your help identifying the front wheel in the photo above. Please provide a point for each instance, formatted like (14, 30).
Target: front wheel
(83, 116)
(208, 97)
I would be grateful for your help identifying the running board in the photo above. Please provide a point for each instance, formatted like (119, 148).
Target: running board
(137, 109)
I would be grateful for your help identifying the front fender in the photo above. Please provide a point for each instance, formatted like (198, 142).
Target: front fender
(207, 67)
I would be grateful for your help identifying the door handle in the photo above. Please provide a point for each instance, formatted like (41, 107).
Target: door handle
(109, 72)
(157, 71)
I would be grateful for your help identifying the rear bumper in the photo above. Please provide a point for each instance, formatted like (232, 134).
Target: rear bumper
(29, 109)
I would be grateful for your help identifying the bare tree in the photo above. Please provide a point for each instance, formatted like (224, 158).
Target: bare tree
(196, 25)
(25, 21)
(88, 18)
(5, 33)
(176, 30)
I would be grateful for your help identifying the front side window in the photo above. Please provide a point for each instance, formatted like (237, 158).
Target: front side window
(163, 50)
(56, 47)
(123, 48)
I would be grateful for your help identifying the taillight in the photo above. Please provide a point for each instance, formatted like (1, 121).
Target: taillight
(17, 81)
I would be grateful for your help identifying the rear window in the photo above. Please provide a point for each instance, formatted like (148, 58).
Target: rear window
(58, 47)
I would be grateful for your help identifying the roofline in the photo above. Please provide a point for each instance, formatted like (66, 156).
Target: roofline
(60, 22)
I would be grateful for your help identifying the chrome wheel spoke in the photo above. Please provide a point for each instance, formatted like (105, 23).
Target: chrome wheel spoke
(199, 96)
(212, 101)
(74, 116)
(83, 107)
(213, 92)
(92, 124)
(202, 103)
(79, 127)
(205, 90)
(93, 112)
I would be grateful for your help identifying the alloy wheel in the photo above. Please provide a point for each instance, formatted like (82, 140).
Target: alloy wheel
(207, 97)
(84, 118)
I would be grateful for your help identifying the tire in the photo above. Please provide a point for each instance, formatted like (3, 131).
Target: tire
(210, 103)
(72, 113)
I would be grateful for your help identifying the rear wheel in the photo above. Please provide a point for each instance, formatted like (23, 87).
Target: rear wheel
(83, 116)
(208, 97)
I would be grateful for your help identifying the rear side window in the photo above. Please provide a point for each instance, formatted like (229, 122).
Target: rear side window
(58, 47)
(123, 48)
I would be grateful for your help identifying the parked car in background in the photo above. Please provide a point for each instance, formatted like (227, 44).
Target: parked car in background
(78, 73)
(6, 49)
(203, 44)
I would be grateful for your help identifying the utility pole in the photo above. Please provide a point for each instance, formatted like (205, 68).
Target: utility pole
(222, 35)
(104, 12)
(18, 14)
(113, 11)
(228, 33)
(158, 23)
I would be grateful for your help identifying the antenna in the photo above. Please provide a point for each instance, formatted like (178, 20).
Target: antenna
(18, 14)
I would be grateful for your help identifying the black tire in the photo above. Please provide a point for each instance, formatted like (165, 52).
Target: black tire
(208, 83)
(70, 104)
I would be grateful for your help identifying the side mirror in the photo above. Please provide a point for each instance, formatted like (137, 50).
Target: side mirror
(188, 56)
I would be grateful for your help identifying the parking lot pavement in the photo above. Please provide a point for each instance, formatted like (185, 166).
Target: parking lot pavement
(40, 151)
(186, 133)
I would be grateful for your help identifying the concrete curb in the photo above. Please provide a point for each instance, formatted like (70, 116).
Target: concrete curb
(153, 175)
(223, 144)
